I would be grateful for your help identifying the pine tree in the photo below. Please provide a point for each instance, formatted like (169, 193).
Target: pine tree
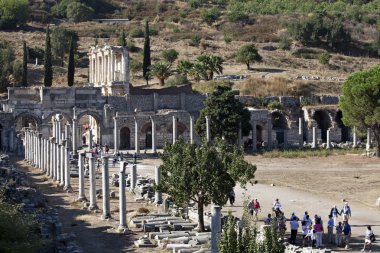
(121, 40)
(24, 81)
(146, 61)
(71, 65)
(48, 75)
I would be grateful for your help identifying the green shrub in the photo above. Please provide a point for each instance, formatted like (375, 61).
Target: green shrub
(170, 55)
(183, 13)
(195, 40)
(284, 42)
(195, 4)
(177, 80)
(176, 30)
(79, 12)
(236, 13)
(210, 16)
(275, 104)
(324, 58)
(153, 31)
(13, 13)
(136, 33)
(36, 52)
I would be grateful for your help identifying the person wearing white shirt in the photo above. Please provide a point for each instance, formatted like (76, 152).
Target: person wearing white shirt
(368, 239)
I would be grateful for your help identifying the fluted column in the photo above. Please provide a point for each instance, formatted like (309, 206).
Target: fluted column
(62, 162)
(74, 137)
(67, 167)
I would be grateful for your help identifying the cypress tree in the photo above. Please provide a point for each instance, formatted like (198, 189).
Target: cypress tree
(146, 61)
(71, 65)
(24, 81)
(122, 41)
(48, 75)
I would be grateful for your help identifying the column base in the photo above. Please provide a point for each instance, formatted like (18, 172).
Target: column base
(93, 207)
(68, 188)
(62, 184)
(106, 216)
(82, 199)
(122, 229)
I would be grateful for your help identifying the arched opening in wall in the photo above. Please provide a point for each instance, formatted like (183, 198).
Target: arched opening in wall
(1, 135)
(26, 120)
(125, 138)
(324, 122)
(146, 130)
(345, 131)
(279, 125)
(85, 123)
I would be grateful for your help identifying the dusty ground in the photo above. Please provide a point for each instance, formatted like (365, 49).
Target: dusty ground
(312, 184)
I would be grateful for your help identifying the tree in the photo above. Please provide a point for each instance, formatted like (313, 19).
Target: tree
(13, 13)
(211, 64)
(162, 71)
(170, 55)
(7, 64)
(121, 41)
(226, 114)
(248, 54)
(60, 42)
(24, 80)
(48, 75)
(204, 174)
(71, 65)
(360, 102)
(79, 12)
(184, 67)
(146, 61)
(209, 16)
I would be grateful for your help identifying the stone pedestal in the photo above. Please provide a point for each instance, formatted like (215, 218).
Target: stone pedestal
(93, 204)
(157, 179)
(122, 199)
(105, 189)
(216, 228)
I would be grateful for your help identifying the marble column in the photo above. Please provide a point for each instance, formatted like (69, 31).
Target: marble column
(216, 228)
(254, 136)
(157, 179)
(44, 154)
(328, 139)
(90, 144)
(354, 145)
(81, 193)
(48, 157)
(368, 144)
(208, 128)
(67, 167)
(52, 158)
(137, 138)
(174, 119)
(300, 133)
(122, 199)
(133, 172)
(105, 188)
(269, 125)
(40, 151)
(62, 162)
(154, 149)
(191, 130)
(93, 204)
(74, 137)
(314, 144)
(115, 139)
(26, 145)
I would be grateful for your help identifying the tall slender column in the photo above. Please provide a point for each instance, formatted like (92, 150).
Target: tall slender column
(115, 131)
(26, 145)
(154, 149)
(62, 162)
(112, 66)
(90, 144)
(157, 194)
(328, 139)
(208, 128)
(191, 130)
(52, 155)
(269, 123)
(368, 144)
(300, 133)
(122, 199)
(174, 129)
(105, 189)
(74, 137)
(314, 144)
(44, 154)
(133, 177)
(59, 131)
(216, 228)
(81, 195)
(67, 167)
(56, 158)
(137, 138)
(354, 145)
(40, 151)
(48, 158)
(93, 204)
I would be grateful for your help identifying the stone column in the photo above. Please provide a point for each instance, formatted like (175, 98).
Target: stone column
(254, 135)
(269, 123)
(154, 149)
(122, 199)
(157, 179)
(115, 139)
(354, 145)
(105, 188)
(208, 128)
(35, 149)
(62, 160)
(126, 71)
(300, 133)
(90, 144)
(26, 145)
(93, 204)
(314, 144)
(67, 167)
(40, 151)
(44, 154)
(48, 158)
(52, 157)
(74, 137)
(368, 144)
(174, 129)
(59, 131)
(328, 139)
(137, 140)
(112, 65)
(67, 134)
(216, 228)
(133, 177)
(285, 138)
(81, 193)
(191, 130)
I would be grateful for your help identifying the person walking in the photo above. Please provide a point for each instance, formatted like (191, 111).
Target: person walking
(369, 238)
(231, 196)
(338, 234)
(304, 233)
(268, 219)
(256, 208)
(346, 212)
(347, 234)
(330, 230)
(293, 230)
(318, 232)
(250, 207)
(276, 207)
(334, 213)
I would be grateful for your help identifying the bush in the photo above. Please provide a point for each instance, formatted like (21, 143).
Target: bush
(153, 31)
(79, 12)
(135, 66)
(170, 55)
(177, 80)
(132, 47)
(195, 4)
(324, 58)
(210, 16)
(275, 104)
(195, 40)
(60, 9)
(136, 33)
(13, 13)
(236, 13)
(36, 52)
(284, 42)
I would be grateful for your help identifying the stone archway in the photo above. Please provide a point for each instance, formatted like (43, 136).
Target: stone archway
(125, 138)
(90, 120)
(27, 119)
(323, 121)
(345, 131)
(279, 125)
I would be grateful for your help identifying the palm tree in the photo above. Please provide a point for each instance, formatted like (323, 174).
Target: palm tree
(212, 64)
(184, 67)
(162, 71)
